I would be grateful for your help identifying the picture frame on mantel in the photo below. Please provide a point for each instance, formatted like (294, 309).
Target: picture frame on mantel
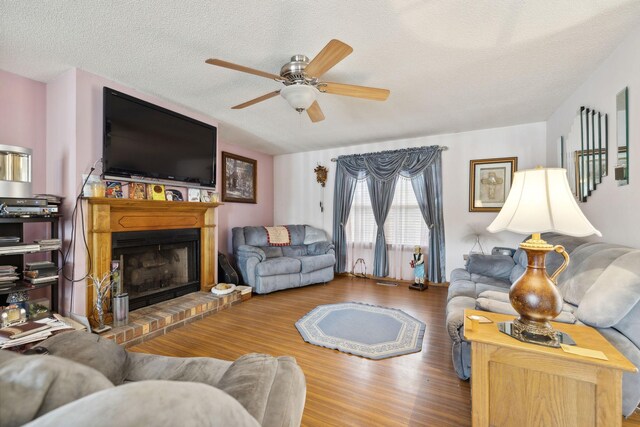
(490, 182)
(239, 178)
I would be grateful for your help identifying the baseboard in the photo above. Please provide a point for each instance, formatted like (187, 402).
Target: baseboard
(391, 279)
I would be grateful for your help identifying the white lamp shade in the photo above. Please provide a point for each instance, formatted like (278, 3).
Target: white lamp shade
(540, 201)
(299, 96)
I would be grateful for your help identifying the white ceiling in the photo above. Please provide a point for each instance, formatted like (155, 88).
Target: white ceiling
(450, 65)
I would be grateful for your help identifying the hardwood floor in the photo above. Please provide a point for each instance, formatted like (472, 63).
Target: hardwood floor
(418, 389)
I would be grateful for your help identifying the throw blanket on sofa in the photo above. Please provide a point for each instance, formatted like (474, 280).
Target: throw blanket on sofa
(278, 236)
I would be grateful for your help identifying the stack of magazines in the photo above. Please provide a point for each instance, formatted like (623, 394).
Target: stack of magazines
(8, 276)
(7, 248)
(49, 244)
(40, 272)
(30, 331)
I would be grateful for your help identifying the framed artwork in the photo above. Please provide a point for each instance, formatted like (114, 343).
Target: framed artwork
(490, 182)
(239, 178)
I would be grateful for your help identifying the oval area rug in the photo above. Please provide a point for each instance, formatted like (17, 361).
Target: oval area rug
(365, 330)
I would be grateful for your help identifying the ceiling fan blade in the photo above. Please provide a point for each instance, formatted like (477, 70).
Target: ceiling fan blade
(231, 66)
(256, 100)
(315, 113)
(372, 93)
(334, 52)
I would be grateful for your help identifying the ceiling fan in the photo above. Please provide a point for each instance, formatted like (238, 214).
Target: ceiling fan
(301, 79)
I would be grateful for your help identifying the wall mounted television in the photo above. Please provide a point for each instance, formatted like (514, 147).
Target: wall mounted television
(142, 141)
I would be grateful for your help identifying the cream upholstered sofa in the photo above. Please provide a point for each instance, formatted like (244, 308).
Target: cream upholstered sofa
(90, 381)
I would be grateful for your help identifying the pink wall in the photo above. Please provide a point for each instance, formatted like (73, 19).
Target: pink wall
(61, 160)
(241, 214)
(23, 123)
(23, 120)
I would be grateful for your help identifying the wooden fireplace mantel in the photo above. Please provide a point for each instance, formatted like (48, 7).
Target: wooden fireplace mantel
(107, 215)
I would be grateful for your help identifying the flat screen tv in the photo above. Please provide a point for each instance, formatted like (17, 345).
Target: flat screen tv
(145, 141)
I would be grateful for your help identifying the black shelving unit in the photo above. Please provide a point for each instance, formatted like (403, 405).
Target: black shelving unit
(12, 226)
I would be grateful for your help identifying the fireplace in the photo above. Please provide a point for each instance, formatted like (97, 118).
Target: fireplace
(157, 265)
(111, 216)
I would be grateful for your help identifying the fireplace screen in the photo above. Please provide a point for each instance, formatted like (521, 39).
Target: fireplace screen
(157, 265)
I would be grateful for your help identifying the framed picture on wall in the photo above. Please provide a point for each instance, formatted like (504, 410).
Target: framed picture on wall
(239, 178)
(490, 182)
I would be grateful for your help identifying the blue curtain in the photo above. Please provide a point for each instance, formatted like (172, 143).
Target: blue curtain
(428, 190)
(423, 166)
(381, 194)
(344, 190)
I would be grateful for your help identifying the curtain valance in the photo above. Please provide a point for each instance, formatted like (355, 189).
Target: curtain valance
(387, 165)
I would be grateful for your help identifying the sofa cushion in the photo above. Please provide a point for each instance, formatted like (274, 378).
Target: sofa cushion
(587, 263)
(294, 251)
(313, 235)
(297, 234)
(31, 386)
(615, 292)
(490, 281)
(266, 386)
(206, 370)
(101, 354)
(272, 251)
(275, 266)
(516, 272)
(152, 403)
(553, 260)
(498, 266)
(316, 262)
(504, 297)
(505, 307)
(255, 236)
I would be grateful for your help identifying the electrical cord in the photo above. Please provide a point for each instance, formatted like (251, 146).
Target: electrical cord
(72, 243)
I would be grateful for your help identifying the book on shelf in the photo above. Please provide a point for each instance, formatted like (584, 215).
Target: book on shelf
(49, 244)
(12, 278)
(48, 241)
(38, 264)
(9, 239)
(7, 273)
(40, 280)
(7, 286)
(22, 329)
(18, 248)
(42, 272)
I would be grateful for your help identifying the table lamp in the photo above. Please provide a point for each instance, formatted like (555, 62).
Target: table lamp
(540, 201)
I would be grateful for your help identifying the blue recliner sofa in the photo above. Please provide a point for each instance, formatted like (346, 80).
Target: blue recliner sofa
(600, 288)
(308, 259)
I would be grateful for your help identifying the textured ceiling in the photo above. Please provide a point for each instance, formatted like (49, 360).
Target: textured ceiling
(450, 65)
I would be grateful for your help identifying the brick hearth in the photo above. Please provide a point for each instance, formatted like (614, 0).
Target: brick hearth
(158, 319)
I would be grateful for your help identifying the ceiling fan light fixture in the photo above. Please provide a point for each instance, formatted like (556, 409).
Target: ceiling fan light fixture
(299, 96)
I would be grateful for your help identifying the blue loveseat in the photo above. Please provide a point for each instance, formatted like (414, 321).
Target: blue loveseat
(307, 260)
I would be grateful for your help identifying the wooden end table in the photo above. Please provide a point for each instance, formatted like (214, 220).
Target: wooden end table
(521, 384)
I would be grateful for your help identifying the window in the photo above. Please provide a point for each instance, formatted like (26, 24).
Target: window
(404, 229)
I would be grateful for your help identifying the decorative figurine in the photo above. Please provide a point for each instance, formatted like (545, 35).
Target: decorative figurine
(417, 263)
